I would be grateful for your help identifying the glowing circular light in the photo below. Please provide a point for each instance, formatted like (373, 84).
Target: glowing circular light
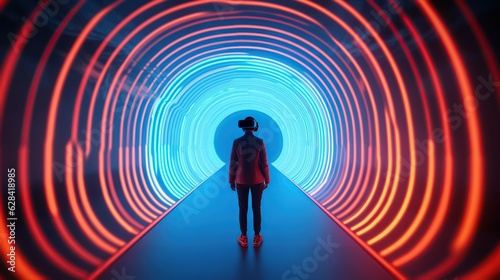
(373, 117)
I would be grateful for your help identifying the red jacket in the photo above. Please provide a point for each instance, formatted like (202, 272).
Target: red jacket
(248, 163)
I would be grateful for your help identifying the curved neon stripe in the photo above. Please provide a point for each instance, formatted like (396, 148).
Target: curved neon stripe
(366, 98)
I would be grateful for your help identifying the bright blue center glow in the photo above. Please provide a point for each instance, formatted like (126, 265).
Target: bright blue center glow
(228, 130)
(201, 95)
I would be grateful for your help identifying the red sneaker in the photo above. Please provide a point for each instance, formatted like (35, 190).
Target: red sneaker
(243, 240)
(257, 240)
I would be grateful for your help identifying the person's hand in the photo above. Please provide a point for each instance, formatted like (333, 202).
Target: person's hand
(233, 186)
(266, 185)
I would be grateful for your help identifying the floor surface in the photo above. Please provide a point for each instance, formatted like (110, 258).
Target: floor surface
(197, 240)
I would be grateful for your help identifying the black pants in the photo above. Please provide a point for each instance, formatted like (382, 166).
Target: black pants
(243, 203)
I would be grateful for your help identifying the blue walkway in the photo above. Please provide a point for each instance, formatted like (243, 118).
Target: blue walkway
(197, 240)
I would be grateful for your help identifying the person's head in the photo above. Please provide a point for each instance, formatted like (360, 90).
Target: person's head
(251, 125)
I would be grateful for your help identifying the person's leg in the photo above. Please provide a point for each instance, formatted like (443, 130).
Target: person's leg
(256, 198)
(243, 203)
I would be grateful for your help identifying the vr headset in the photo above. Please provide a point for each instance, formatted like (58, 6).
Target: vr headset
(248, 122)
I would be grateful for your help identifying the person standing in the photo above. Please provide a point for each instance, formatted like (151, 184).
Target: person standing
(249, 172)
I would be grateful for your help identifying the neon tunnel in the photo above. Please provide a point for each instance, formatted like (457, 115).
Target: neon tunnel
(380, 119)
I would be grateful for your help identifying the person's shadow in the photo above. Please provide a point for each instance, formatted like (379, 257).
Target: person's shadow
(256, 251)
(250, 269)
(257, 271)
